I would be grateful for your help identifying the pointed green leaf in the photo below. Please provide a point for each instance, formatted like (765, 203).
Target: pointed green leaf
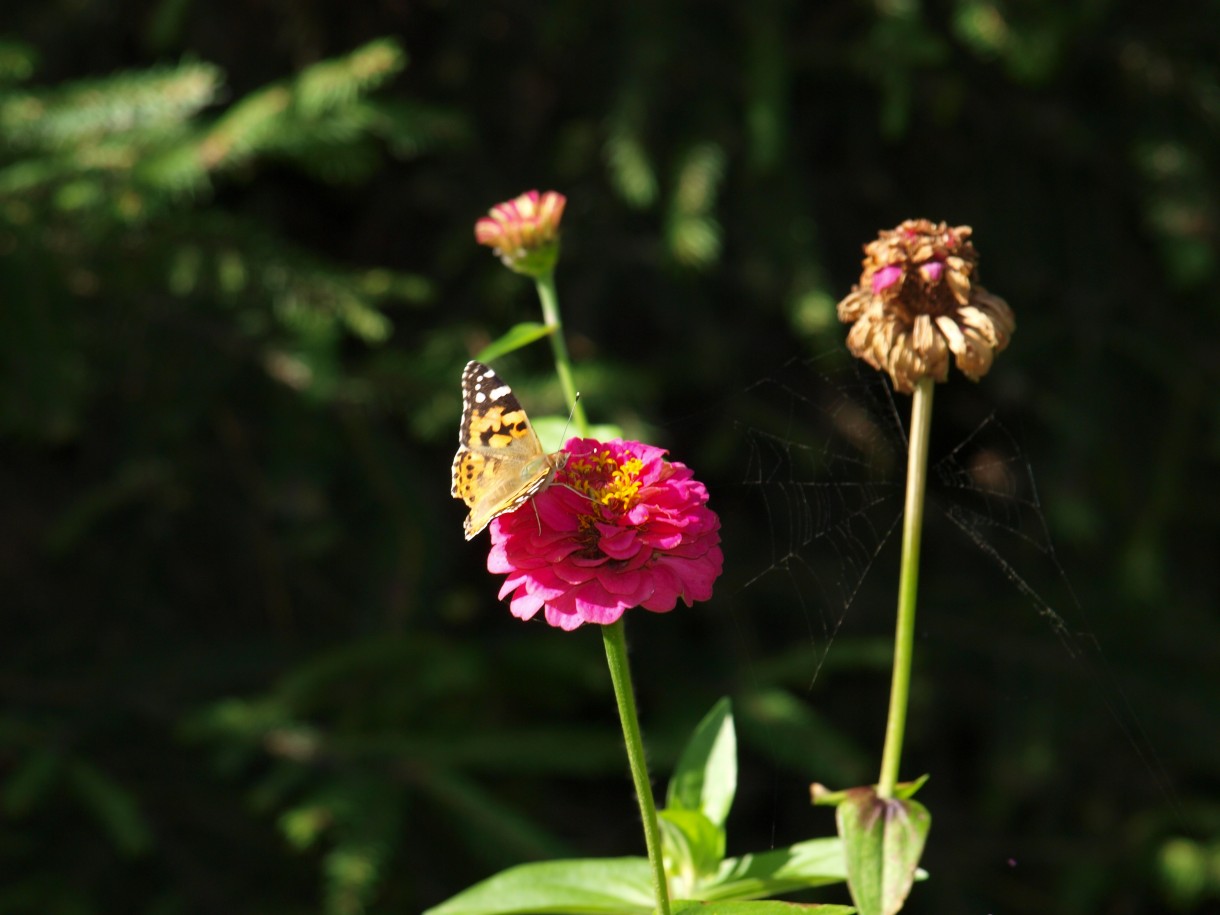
(816, 862)
(30, 781)
(693, 847)
(706, 775)
(884, 839)
(114, 807)
(824, 797)
(762, 907)
(906, 790)
(514, 339)
(606, 886)
(623, 886)
(631, 170)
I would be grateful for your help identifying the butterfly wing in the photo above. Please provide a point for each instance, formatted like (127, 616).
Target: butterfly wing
(500, 463)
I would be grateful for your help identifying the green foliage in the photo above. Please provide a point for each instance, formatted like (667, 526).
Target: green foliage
(514, 338)
(766, 907)
(237, 287)
(606, 886)
(598, 887)
(103, 181)
(705, 778)
(1190, 871)
(17, 61)
(699, 797)
(632, 173)
(693, 234)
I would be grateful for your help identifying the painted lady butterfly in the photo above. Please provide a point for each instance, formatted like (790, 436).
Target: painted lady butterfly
(500, 464)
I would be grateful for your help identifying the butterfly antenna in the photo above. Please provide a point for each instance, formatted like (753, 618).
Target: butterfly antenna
(563, 436)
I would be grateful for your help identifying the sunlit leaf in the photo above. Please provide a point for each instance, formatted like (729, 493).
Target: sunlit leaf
(518, 335)
(759, 907)
(705, 778)
(693, 844)
(816, 862)
(610, 886)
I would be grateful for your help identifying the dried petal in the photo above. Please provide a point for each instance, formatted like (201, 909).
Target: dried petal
(918, 302)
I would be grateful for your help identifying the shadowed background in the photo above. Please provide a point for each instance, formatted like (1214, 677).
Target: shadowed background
(247, 661)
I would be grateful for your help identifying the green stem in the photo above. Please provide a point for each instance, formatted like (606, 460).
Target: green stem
(908, 585)
(620, 674)
(563, 363)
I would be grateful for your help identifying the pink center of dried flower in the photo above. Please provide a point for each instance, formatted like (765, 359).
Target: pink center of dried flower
(886, 277)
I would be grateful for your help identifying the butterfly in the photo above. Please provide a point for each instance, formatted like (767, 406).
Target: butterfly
(500, 463)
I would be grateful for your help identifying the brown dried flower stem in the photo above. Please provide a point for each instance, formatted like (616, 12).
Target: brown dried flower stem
(908, 584)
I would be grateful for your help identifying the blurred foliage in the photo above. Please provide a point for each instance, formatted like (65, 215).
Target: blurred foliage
(249, 664)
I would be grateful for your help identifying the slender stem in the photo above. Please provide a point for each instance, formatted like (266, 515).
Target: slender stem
(908, 585)
(563, 363)
(620, 674)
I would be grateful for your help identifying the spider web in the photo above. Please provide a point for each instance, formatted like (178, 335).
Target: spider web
(826, 461)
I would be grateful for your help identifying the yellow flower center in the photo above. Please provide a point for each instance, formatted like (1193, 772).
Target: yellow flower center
(605, 482)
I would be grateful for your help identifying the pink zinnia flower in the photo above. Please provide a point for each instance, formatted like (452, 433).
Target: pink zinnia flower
(620, 527)
(524, 232)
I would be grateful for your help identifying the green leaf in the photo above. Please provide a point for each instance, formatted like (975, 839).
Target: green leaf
(17, 61)
(694, 236)
(122, 105)
(884, 839)
(623, 886)
(517, 337)
(824, 797)
(331, 84)
(705, 779)
(607, 886)
(906, 790)
(764, 907)
(114, 807)
(693, 847)
(30, 781)
(631, 170)
(815, 862)
(803, 740)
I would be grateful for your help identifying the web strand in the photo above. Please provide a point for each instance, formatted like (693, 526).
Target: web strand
(826, 460)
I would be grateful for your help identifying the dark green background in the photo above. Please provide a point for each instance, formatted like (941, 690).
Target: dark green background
(247, 662)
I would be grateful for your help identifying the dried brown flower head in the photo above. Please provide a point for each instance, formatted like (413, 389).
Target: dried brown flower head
(917, 301)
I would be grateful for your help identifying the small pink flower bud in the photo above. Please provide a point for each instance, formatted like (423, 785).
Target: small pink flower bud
(524, 232)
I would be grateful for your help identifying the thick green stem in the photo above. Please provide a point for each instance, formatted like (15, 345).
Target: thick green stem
(613, 636)
(620, 674)
(563, 363)
(908, 586)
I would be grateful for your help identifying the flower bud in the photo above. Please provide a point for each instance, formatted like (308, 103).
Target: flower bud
(524, 232)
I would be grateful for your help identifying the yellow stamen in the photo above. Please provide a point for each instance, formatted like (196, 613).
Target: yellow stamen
(605, 481)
